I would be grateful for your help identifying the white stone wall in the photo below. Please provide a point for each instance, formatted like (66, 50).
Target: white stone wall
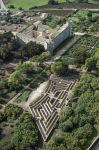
(66, 33)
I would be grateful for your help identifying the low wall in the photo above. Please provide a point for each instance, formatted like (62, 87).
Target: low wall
(94, 143)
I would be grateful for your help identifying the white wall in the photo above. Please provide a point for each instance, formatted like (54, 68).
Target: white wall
(66, 33)
(60, 38)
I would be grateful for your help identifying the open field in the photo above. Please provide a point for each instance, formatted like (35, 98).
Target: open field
(27, 3)
(32, 3)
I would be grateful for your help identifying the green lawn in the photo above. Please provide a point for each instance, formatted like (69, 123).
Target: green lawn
(28, 3)
(32, 3)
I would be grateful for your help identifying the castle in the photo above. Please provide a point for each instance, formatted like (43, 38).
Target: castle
(45, 35)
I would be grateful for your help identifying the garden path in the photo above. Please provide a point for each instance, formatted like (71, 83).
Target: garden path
(65, 48)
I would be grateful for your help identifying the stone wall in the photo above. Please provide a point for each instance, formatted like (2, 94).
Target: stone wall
(66, 33)
(95, 144)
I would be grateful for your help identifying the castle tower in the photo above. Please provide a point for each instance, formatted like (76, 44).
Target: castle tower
(2, 6)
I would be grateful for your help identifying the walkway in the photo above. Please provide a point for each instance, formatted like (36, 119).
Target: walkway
(14, 98)
(65, 48)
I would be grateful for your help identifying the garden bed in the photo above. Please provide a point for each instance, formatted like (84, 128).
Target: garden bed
(23, 97)
(7, 97)
(83, 21)
(86, 45)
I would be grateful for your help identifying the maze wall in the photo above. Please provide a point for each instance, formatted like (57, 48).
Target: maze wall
(45, 109)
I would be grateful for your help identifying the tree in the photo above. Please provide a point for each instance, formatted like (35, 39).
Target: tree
(59, 68)
(20, 8)
(89, 14)
(58, 138)
(42, 57)
(67, 126)
(16, 79)
(77, 122)
(45, 55)
(25, 134)
(90, 64)
(83, 1)
(51, 145)
(78, 57)
(12, 112)
(52, 2)
(8, 44)
(12, 7)
(31, 49)
(3, 83)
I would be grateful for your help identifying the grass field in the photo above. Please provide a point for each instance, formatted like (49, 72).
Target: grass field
(28, 3)
(32, 3)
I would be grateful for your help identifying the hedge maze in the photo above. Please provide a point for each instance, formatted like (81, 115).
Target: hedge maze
(45, 110)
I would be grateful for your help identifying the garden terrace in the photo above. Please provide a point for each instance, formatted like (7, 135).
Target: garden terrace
(52, 20)
(82, 49)
(23, 97)
(45, 109)
(85, 21)
(7, 96)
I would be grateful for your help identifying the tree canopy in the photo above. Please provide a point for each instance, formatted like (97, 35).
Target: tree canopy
(31, 49)
(59, 68)
(78, 119)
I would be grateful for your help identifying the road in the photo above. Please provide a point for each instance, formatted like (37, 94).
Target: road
(63, 9)
(16, 13)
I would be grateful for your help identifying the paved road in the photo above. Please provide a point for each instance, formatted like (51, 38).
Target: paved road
(63, 9)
